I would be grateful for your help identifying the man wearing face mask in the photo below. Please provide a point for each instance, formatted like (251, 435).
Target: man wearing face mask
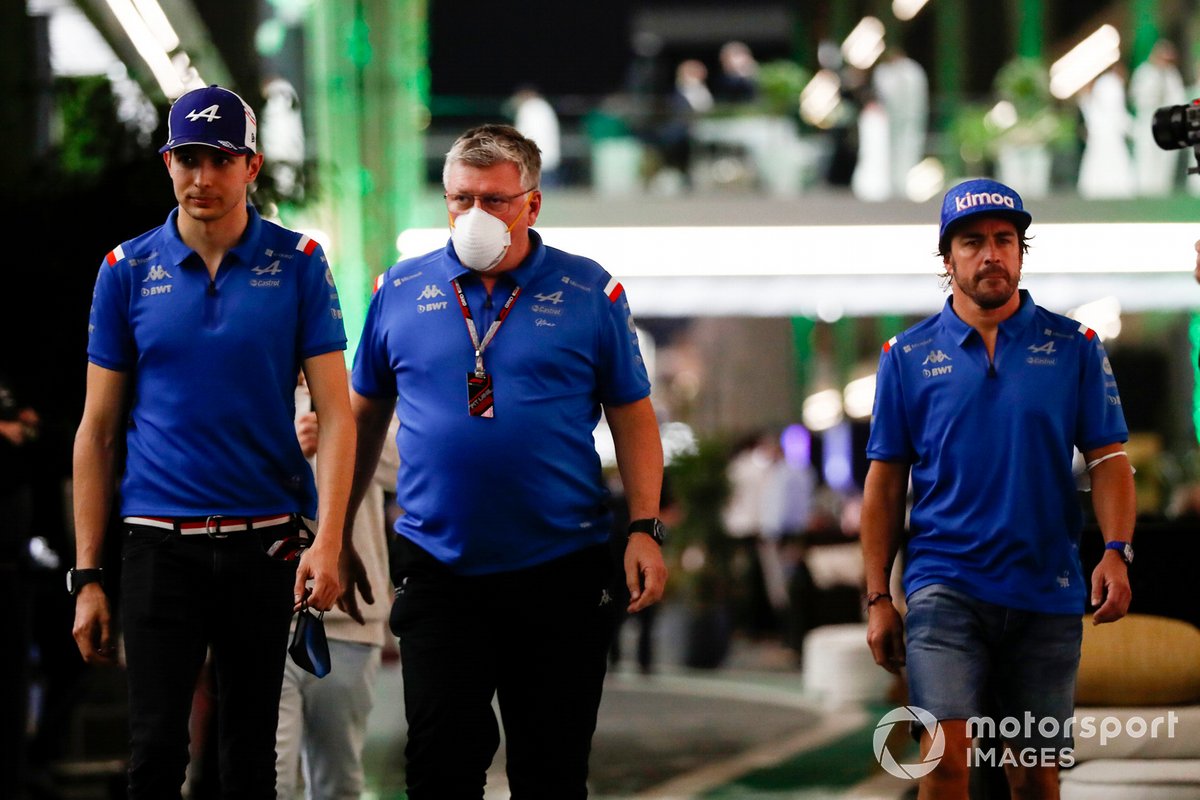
(984, 404)
(503, 353)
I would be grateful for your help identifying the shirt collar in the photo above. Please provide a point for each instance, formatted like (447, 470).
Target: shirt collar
(176, 251)
(1012, 326)
(521, 275)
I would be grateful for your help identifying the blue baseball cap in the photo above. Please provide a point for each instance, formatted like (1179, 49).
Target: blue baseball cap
(981, 196)
(214, 117)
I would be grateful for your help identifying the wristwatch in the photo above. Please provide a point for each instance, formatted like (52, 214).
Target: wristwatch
(652, 527)
(1125, 549)
(78, 578)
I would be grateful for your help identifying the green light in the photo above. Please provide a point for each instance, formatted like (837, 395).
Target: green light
(1194, 340)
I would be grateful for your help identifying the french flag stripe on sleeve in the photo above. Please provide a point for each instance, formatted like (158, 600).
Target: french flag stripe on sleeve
(379, 282)
(114, 256)
(306, 245)
(1087, 332)
(613, 289)
(889, 344)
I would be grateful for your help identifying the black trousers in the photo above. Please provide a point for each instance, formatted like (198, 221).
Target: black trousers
(536, 639)
(181, 596)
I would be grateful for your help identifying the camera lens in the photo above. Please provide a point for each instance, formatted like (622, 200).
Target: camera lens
(1176, 126)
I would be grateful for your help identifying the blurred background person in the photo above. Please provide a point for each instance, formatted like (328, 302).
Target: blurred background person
(536, 119)
(1106, 166)
(323, 721)
(1155, 83)
(737, 82)
(900, 83)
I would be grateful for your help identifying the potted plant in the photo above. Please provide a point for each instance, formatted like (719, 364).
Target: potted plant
(701, 551)
(1018, 132)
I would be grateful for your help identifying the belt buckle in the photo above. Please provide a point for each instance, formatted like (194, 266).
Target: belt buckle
(214, 532)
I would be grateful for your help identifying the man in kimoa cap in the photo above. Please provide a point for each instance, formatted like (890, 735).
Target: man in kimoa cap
(197, 332)
(983, 403)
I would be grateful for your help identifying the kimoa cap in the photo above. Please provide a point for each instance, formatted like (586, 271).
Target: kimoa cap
(981, 196)
(214, 117)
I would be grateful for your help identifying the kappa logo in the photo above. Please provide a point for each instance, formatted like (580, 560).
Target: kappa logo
(553, 297)
(271, 269)
(430, 292)
(936, 357)
(208, 115)
(157, 273)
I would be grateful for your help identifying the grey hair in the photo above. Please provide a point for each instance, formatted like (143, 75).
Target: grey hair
(488, 145)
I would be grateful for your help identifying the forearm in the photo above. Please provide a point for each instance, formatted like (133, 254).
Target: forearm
(639, 456)
(882, 521)
(371, 420)
(1114, 498)
(93, 479)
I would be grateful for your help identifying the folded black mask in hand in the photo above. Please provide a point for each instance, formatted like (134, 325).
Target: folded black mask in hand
(309, 649)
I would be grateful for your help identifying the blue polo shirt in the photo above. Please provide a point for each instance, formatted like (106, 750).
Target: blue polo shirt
(487, 495)
(214, 367)
(995, 509)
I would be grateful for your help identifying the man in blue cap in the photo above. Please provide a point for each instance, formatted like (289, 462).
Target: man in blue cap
(197, 333)
(983, 404)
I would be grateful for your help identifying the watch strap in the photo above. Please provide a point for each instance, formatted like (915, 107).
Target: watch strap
(651, 526)
(78, 578)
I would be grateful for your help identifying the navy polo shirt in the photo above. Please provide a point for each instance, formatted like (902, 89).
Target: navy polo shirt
(214, 366)
(486, 495)
(995, 509)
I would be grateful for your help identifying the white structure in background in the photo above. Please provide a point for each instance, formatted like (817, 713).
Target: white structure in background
(871, 180)
(902, 86)
(1155, 83)
(281, 134)
(534, 117)
(1106, 167)
(77, 49)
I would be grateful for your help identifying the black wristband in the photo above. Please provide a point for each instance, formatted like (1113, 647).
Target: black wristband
(651, 526)
(875, 597)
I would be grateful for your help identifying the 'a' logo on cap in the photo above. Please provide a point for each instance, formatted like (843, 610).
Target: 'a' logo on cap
(209, 114)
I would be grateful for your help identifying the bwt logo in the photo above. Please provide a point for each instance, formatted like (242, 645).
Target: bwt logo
(908, 715)
(982, 199)
(423, 307)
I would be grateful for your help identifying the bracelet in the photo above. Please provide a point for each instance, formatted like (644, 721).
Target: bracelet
(875, 597)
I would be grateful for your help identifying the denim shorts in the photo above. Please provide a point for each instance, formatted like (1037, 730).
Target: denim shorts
(971, 659)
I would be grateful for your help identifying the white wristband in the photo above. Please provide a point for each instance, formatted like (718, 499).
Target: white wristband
(1092, 464)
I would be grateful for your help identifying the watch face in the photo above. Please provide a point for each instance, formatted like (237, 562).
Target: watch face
(1127, 552)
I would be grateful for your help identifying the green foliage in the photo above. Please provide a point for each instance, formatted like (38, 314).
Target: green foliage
(700, 482)
(779, 85)
(1034, 117)
(89, 133)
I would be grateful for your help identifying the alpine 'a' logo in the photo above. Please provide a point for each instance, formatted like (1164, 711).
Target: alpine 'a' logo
(553, 297)
(271, 269)
(209, 114)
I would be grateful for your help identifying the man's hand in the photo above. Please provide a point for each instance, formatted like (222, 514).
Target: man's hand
(1110, 588)
(92, 629)
(885, 635)
(307, 433)
(319, 564)
(645, 572)
(353, 578)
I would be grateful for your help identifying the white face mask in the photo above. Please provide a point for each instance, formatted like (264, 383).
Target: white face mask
(480, 240)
